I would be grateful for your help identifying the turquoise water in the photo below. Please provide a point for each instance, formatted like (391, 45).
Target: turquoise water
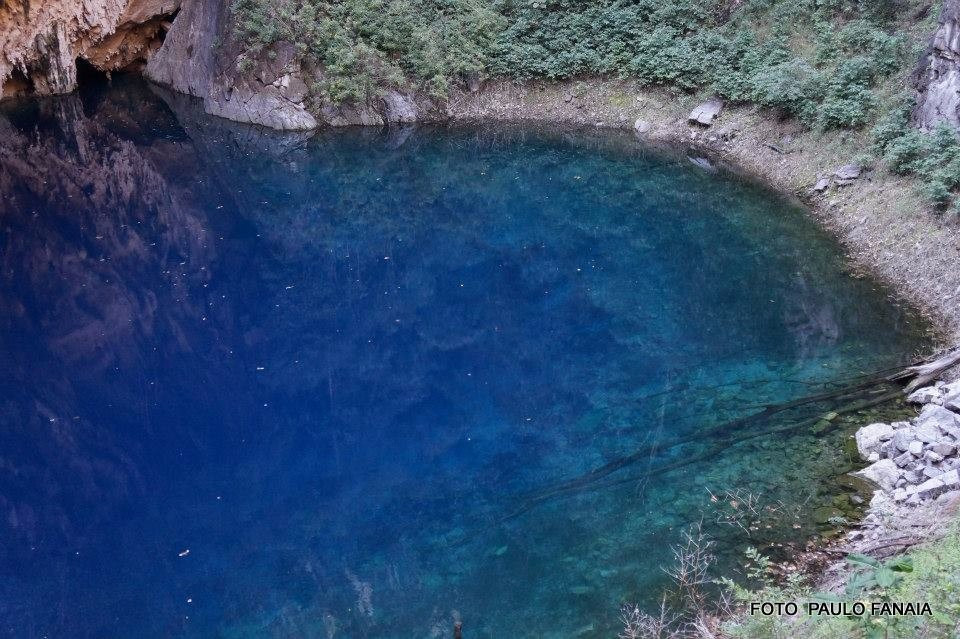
(351, 385)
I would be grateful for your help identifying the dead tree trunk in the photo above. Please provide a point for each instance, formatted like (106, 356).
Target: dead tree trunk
(867, 391)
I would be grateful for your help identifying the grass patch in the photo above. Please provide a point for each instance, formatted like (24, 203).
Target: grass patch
(929, 574)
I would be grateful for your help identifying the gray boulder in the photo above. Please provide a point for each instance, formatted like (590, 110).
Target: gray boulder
(902, 438)
(641, 126)
(951, 396)
(928, 489)
(914, 476)
(928, 433)
(944, 449)
(931, 471)
(936, 486)
(707, 112)
(903, 460)
(848, 172)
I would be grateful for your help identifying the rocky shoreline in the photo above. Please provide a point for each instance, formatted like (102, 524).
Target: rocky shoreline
(917, 460)
(915, 467)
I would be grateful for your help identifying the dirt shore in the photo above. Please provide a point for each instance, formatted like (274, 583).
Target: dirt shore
(885, 227)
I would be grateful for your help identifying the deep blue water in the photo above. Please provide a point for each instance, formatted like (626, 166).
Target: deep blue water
(257, 385)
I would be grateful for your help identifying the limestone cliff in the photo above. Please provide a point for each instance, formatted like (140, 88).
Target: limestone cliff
(40, 42)
(937, 79)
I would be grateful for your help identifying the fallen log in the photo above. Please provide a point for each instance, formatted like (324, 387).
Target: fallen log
(856, 396)
(570, 488)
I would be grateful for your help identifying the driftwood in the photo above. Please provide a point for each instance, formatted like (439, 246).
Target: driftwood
(925, 372)
(859, 393)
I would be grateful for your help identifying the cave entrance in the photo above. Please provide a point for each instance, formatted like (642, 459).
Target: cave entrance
(89, 75)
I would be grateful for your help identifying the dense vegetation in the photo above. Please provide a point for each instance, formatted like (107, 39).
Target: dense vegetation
(820, 61)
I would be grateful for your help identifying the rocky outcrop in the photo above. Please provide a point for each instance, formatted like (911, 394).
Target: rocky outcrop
(40, 42)
(272, 94)
(271, 90)
(937, 79)
(916, 461)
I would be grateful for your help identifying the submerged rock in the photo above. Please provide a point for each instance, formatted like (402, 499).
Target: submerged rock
(703, 163)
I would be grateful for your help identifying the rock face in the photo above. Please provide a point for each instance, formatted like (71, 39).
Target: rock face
(937, 79)
(40, 42)
(271, 94)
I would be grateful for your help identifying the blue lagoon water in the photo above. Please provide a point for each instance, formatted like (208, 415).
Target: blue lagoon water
(353, 384)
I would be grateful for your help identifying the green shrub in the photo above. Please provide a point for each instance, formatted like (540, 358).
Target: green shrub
(365, 46)
(932, 157)
(793, 86)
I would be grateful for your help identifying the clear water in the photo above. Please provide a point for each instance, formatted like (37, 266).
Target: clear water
(257, 385)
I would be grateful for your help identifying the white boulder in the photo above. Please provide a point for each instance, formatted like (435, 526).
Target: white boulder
(926, 395)
(870, 436)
